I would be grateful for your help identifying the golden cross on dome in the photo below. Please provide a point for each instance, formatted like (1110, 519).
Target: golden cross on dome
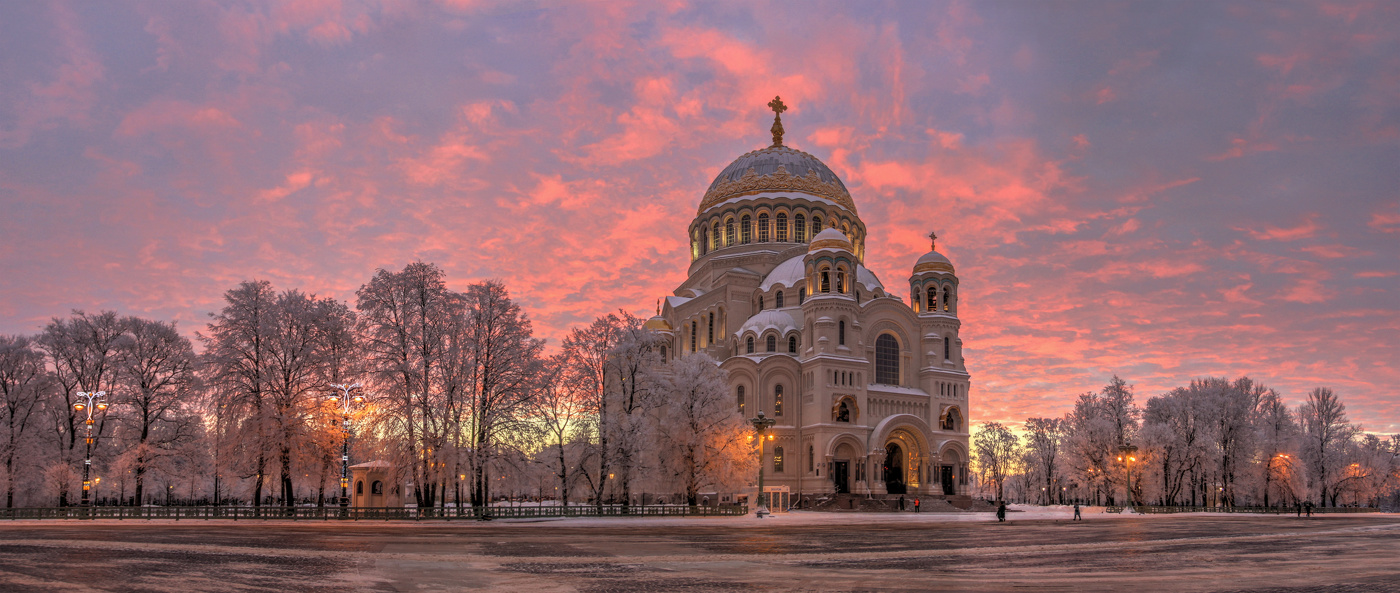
(778, 108)
(933, 241)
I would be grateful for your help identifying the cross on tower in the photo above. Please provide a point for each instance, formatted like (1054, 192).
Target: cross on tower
(933, 241)
(778, 108)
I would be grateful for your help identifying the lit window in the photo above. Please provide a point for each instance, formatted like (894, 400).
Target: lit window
(799, 228)
(841, 281)
(782, 227)
(778, 400)
(763, 228)
(741, 399)
(816, 226)
(729, 232)
(777, 460)
(745, 229)
(715, 237)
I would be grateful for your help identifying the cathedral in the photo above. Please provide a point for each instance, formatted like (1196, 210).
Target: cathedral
(869, 393)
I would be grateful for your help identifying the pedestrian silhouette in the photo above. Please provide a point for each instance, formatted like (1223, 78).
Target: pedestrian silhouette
(1076, 513)
(916, 505)
(1307, 507)
(1001, 513)
(901, 502)
(1300, 509)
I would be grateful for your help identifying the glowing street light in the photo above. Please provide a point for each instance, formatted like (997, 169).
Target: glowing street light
(92, 405)
(760, 425)
(346, 399)
(1127, 455)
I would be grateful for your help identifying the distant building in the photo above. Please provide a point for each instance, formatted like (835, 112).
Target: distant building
(372, 484)
(870, 394)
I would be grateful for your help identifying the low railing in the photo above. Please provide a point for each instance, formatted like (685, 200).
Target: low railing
(370, 514)
(1160, 510)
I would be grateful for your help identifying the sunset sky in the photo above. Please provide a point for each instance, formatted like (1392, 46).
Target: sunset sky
(1160, 190)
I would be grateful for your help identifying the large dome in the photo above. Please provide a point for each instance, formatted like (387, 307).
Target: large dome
(777, 168)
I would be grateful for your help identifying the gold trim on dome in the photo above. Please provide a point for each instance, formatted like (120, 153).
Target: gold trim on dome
(780, 180)
(841, 243)
(933, 266)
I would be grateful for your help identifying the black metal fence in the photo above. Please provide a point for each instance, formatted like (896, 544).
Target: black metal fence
(370, 514)
(1159, 510)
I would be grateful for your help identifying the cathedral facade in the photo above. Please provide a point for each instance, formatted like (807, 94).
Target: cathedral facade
(869, 393)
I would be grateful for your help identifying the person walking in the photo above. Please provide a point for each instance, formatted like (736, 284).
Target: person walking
(1300, 509)
(1307, 507)
(916, 505)
(1001, 512)
(1076, 513)
(901, 502)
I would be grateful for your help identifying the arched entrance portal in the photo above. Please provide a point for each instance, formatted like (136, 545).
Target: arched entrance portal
(904, 456)
(948, 473)
(894, 469)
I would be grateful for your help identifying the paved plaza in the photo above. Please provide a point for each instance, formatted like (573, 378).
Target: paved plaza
(1034, 551)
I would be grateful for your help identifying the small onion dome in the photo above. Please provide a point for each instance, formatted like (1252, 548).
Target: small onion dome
(830, 239)
(933, 261)
(657, 323)
(766, 320)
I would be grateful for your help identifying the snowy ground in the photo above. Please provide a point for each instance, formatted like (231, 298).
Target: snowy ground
(1038, 548)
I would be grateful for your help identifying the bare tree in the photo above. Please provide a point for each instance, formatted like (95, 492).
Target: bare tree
(156, 368)
(1044, 437)
(1277, 435)
(23, 381)
(1326, 435)
(237, 360)
(563, 415)
(589, 350)
(505, 373)
(997, 450)
(631, 365)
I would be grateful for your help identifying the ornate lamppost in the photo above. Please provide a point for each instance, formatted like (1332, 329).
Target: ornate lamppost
(346, 400)
(92, 404)
(761, 425)
(1127, 454)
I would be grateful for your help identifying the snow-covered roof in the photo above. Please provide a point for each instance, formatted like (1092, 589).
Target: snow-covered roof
(775, 319)
(787, 274)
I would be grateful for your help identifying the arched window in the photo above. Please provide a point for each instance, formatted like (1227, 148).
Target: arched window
(376, 487)
(792, 344)
(801, 295)
(763, 228)
(715, 237)
(359, 487)
(745, 229)
(694, 329)
(950, 420)
(826, 280)
(886, 360)
(777, 460)
(782, 227)
(947, 355)
(799, 228)
(740, 397)
(710, 335)
(778, 300)
(663, 352)
(778, 400)
(816, 225)
(843, 412)
(841, 332)
(772, 343)
(749, 344)
(760, 303)
(704, 241)
(841, 281)
(945, 297)
(729, 232)
(932, 302)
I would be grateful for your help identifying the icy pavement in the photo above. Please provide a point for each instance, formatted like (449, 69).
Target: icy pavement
(1038, 548)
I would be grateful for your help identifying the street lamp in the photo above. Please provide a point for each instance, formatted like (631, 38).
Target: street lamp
(345, 400)
(1127, 455)
(91, 406)
(761, 425)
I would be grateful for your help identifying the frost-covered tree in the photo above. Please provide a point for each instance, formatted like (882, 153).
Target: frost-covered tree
(589, 350)
(1044, 438)
(1326, 436)
(563, 413)
(237, 365)
(701, 437)
(82, 352)
(156, 370)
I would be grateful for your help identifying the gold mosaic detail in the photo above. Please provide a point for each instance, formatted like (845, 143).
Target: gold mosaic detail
(780, 180)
